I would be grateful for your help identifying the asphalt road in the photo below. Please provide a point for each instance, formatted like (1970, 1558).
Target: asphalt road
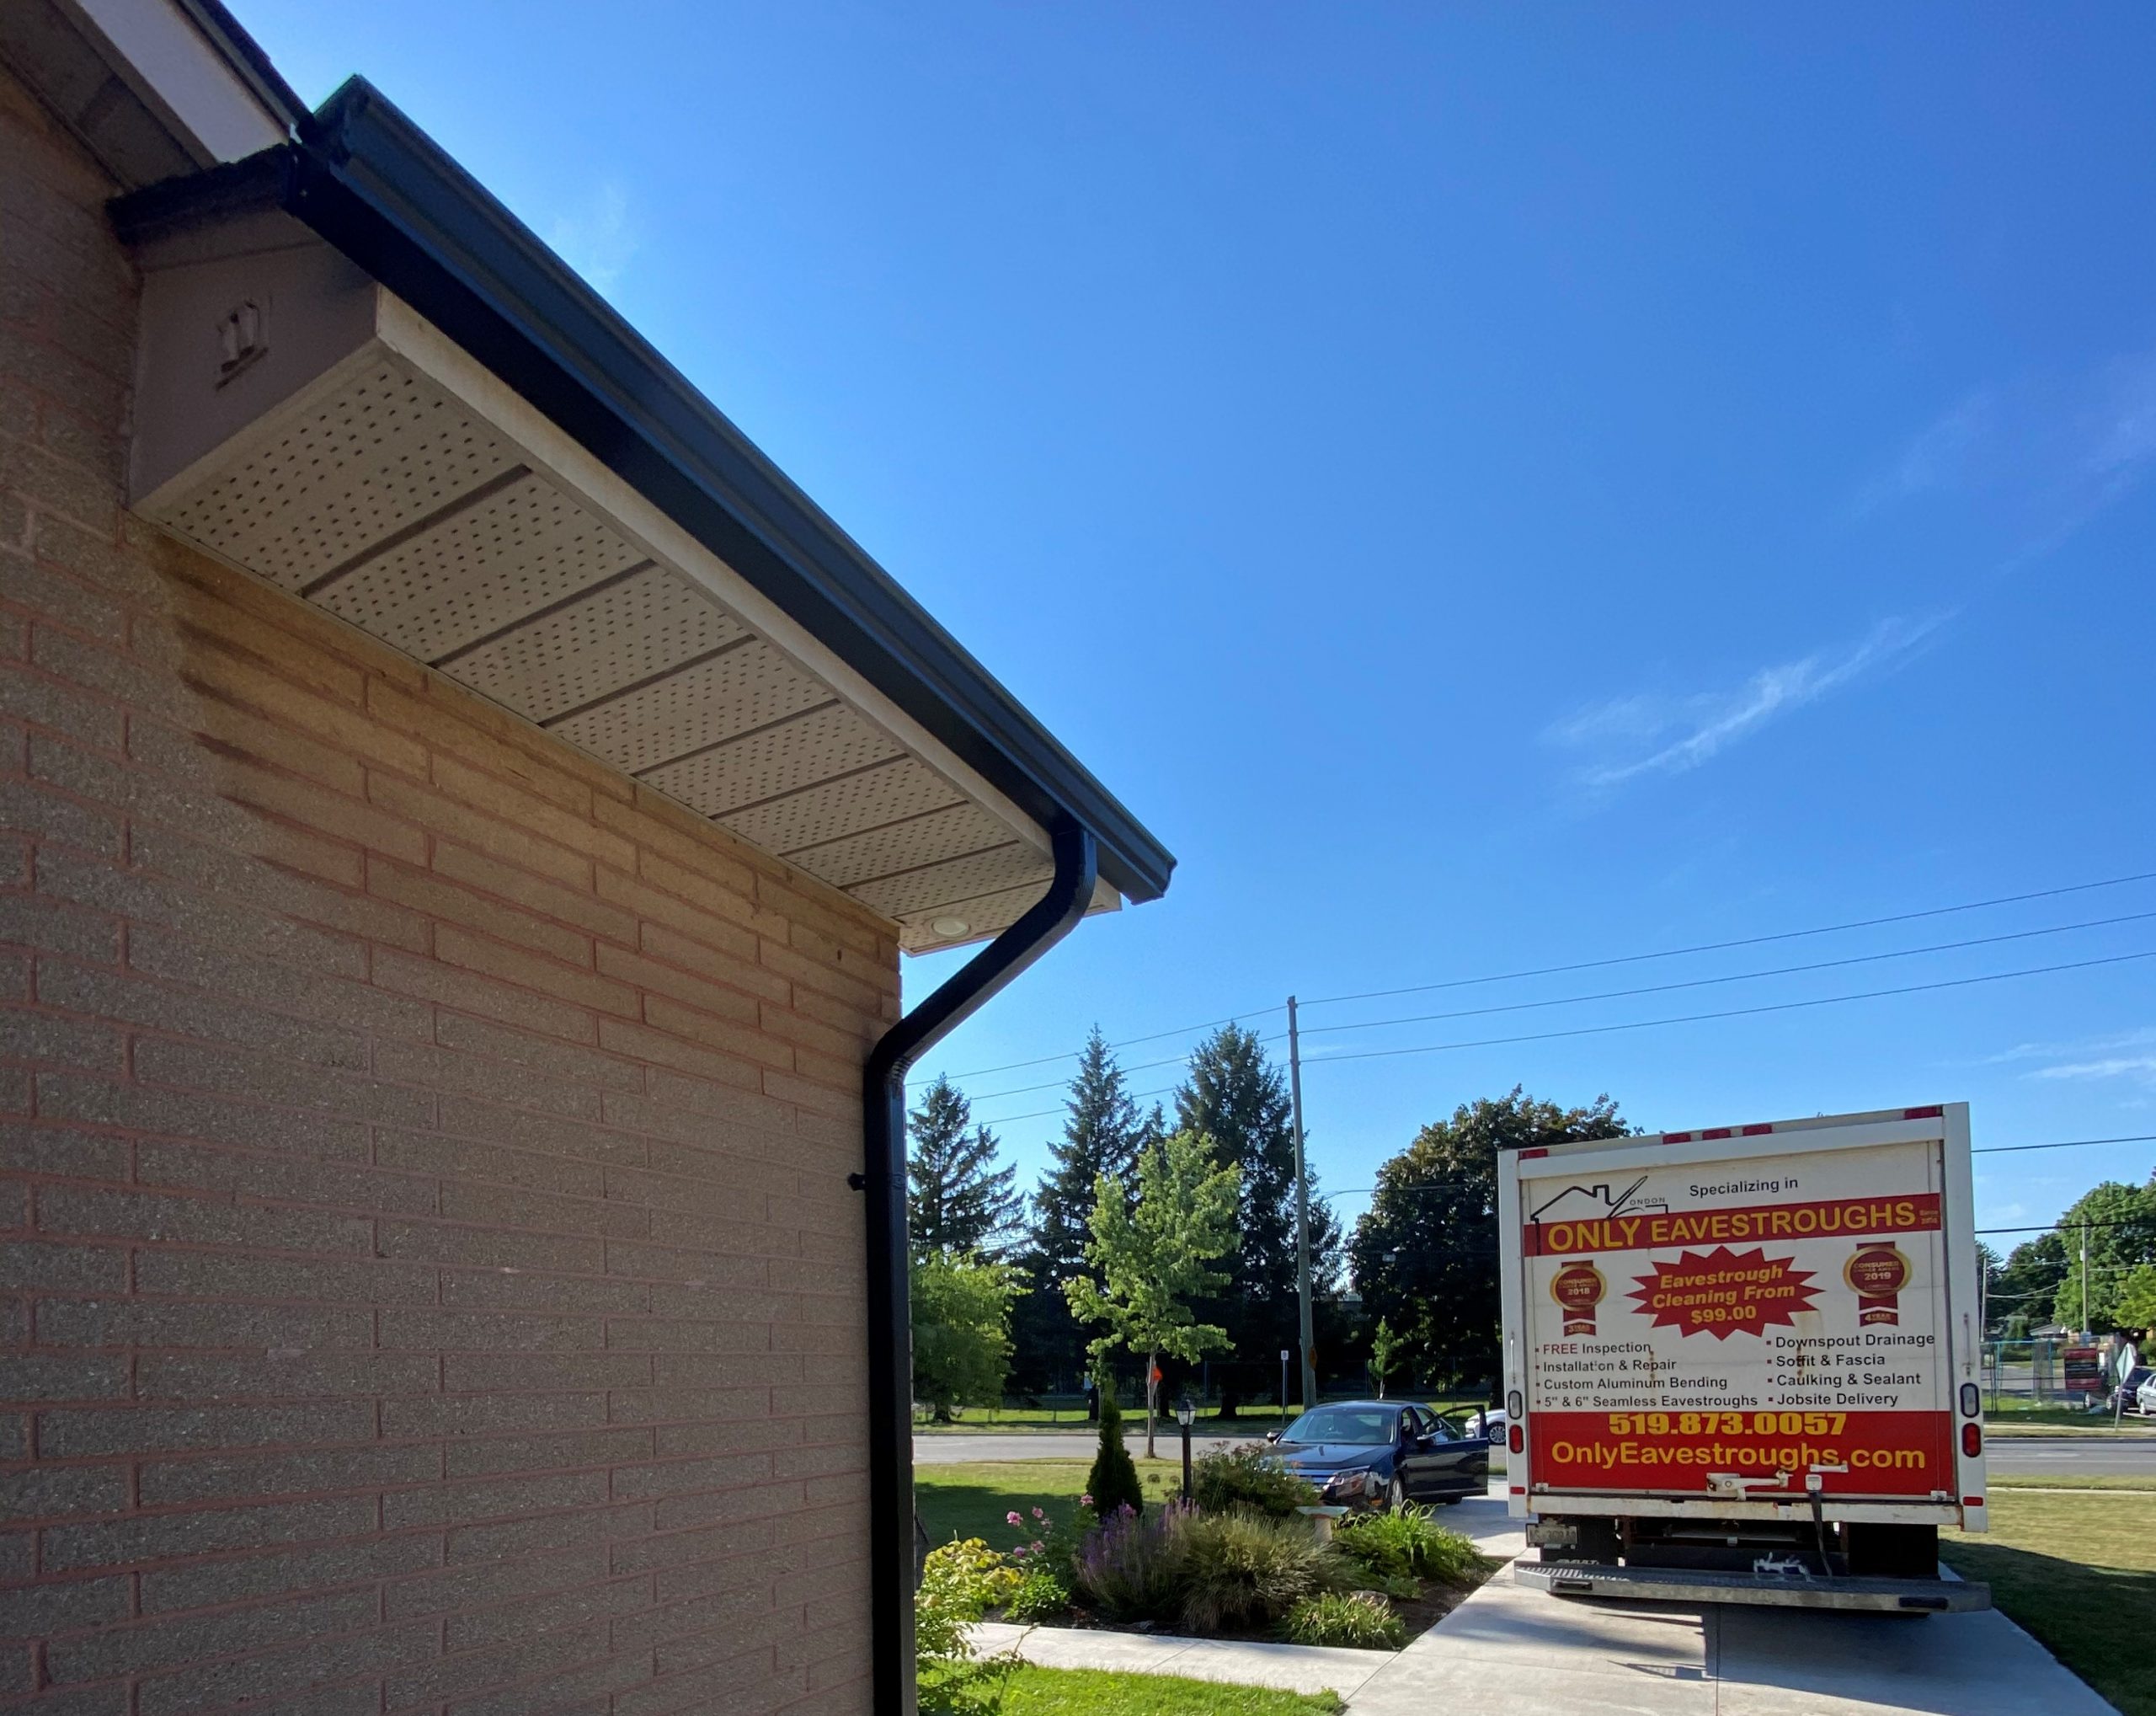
(2127, 1455)
(2124, 1456)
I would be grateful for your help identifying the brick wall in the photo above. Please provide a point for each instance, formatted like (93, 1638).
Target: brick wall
(427, 1280)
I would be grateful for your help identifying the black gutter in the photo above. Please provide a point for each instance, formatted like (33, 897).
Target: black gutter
(890, 1316)
(369, 181)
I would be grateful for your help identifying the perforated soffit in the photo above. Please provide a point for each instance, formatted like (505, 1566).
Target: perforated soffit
(389, 504)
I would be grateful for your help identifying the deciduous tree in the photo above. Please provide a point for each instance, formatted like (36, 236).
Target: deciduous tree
(961, 1330)
(1150, 1262)
(1424, 1255)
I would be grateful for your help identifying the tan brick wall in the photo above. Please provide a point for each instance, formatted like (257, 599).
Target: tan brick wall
(427, 1280)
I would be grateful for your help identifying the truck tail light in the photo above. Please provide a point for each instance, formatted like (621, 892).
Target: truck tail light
(1972, 1438)
(1515, 1439)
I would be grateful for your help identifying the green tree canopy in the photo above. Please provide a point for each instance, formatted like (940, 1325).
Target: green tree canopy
(1151, 1261)
(1424, 1255)
(958, 1199)
(1236, 1097)
(2121, 1236)
(961, 1330)
(1102, 1134)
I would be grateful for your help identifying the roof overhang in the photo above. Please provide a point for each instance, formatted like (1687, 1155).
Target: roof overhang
(361, 379)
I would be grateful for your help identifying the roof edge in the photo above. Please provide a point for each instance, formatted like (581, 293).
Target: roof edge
(372, 183)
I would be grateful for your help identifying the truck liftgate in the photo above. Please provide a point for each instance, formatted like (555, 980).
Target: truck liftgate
(1741, 1364)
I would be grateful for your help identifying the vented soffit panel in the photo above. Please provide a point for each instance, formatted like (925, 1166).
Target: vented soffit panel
(297, 419)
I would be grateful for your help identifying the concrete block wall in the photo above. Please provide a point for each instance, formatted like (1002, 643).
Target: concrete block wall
(427, 1280)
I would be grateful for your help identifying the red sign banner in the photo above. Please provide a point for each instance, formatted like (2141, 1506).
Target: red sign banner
(1723, 1292)
(1832, 1218)
(1888, 1454)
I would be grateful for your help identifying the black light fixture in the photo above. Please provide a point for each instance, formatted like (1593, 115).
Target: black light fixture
(1186, 1416)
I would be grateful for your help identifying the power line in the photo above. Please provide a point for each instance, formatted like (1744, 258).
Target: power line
(1734, 1012)
(1579, 965)
(1126, 1042)
(1742, 942)
(1983, 941)
(2066, 1144)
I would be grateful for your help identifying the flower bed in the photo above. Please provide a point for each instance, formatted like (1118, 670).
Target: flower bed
(1243, 1562)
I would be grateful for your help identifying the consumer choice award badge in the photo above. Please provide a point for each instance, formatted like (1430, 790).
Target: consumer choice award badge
(1578, 1288)
(1877, 1275)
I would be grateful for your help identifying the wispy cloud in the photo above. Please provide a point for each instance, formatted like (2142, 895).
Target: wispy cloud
(1625, 738)
(598, 238)
(2045, 453)
(2122, 1055)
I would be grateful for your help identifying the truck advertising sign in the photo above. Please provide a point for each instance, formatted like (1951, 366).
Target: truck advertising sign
(1757, 1318)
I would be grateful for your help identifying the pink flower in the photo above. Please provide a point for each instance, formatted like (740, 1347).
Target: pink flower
(1012, 1516)
(1037, 1548)
(1039, 1515)
(1085, 1501)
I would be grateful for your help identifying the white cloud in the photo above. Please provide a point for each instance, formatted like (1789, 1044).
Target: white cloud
(1938, 456)
(1645, 735)
(2122, 1055)
(598, 239)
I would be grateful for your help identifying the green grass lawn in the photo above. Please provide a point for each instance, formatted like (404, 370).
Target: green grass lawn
(972, 1500)
(1084, 1692)
(2079, 1572)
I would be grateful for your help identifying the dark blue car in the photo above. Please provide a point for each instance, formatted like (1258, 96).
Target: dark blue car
(1383, 1453)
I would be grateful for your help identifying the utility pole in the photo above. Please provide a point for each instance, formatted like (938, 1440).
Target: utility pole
(1302, 1214)
(2085, 1273)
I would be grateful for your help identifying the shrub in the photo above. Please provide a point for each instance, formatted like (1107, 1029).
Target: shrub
(1131, 1569)
(1041, 1596)
(1249, 1478)
(1408, 1541)
(954, 1585)
(1113, 1481)
(973, 1572)
(1360, 1619)
(1241, 1569)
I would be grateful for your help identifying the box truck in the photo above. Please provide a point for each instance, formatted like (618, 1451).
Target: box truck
(1742, 1364)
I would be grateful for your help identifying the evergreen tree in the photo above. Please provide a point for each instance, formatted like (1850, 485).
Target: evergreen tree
(958, 1200)
(1425, 1254)
(1235, 1096)
(1102, 1135)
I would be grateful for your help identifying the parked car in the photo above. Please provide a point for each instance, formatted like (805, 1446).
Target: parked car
(1489, 1424)
(1383, 1453)
(2127, 1396)
(2144, 1392)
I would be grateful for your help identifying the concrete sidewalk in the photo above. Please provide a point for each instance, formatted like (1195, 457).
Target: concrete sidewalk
(1539, 1655)
(1530, 1653)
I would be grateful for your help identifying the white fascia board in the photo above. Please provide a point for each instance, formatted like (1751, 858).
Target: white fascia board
(156, 47)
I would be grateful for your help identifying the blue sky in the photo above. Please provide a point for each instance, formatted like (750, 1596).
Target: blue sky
(1492, 488)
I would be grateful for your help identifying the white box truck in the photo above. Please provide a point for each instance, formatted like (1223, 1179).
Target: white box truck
(1742, 1364)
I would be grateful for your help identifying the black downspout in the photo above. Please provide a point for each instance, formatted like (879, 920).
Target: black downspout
(890, 1317)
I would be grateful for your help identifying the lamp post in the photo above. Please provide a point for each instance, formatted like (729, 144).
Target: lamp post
(1186, 1414)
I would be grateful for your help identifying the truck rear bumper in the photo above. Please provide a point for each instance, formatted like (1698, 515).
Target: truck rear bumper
(1670, 1584)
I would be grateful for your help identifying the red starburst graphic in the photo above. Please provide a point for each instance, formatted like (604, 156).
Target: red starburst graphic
(1723, 1292)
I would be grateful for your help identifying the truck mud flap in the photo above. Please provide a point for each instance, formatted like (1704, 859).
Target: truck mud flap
(1666, 1584)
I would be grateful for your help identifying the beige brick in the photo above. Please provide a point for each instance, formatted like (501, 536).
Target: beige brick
(668, 980)
(697, 1026)
(572, 827)
(433, 981)
(444, 816)
(421, 892)
(694, 956)
(571, 906)
(236, 680)
(651, 903)
(327, 812)
(641, 1043)
(513, 965)
(223, 628)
